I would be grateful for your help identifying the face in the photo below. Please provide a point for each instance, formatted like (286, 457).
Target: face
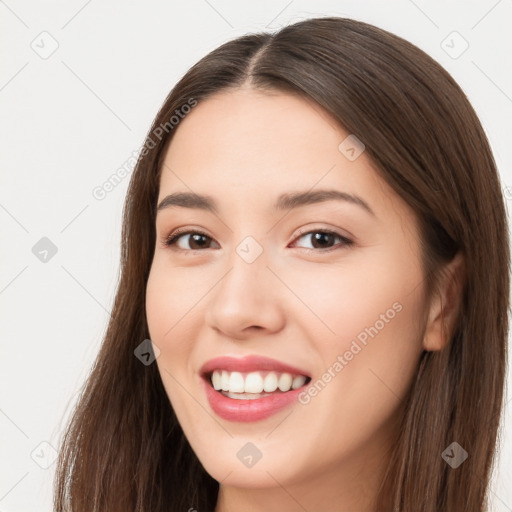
(323, 286)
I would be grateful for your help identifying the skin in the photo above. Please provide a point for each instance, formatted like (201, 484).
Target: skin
(243, 148)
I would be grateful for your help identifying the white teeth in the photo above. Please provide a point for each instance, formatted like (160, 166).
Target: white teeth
(254, 383)
(216, 381)
(298, 381)
(285, 382)
(270, 382)
(224, 380)
(236, 382)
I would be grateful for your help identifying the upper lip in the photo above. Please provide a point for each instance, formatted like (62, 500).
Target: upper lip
(249, 364)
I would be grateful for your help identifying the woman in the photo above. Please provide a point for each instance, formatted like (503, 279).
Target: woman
(315, 243)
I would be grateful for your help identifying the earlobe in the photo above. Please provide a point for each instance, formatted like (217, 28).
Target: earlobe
(445, 305)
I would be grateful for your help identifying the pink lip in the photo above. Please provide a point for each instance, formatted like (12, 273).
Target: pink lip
(249, 364)
(248, 410)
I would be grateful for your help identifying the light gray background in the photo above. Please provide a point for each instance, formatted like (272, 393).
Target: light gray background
(69, 120)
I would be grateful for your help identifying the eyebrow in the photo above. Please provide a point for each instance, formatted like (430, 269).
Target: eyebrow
(287, 201)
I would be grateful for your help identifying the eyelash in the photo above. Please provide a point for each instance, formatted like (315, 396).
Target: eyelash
(171, 239)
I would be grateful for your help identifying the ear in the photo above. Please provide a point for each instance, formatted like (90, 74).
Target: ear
(445, 305)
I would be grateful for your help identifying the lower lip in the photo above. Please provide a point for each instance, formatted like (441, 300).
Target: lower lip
(249, 410)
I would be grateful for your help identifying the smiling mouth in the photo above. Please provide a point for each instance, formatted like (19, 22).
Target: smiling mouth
(254, 385)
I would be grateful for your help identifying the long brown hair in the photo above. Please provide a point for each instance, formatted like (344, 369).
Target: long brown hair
(124, 449)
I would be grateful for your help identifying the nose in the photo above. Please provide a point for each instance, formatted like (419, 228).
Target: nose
(248, 300)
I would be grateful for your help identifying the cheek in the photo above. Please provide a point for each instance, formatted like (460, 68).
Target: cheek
(375, 311)
(159, 311)
(355, 402)
(171, 297)
(363, 298)
(165, 310)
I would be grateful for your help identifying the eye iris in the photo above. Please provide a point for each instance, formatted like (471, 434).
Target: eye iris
(195, 238)
(323, 238)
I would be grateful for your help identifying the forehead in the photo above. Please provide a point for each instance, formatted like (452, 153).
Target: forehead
(251, 146)
(247, 128)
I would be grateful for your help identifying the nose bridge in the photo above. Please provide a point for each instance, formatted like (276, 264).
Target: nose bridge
(248, 262)
(246, 294)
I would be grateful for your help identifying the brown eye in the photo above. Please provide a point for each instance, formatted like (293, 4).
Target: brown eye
(196, 240)
(323, 239)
